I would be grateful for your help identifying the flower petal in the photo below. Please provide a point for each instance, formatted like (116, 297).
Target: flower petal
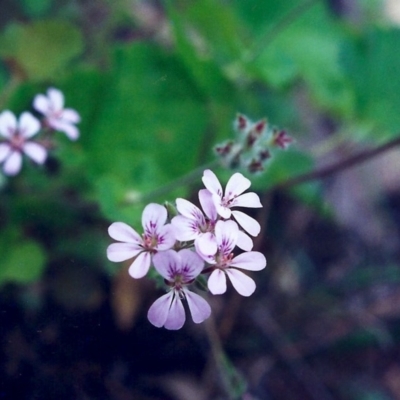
(5, 150)
(185, 229)
(168, 264)
(211, 182)
(166, 237)
(70, 115)
(243, 284)
(63, 126)
(41, 103)
(28, 125)
(189, 210)
(249, 224)
(224, 212)
(217, 282)
(153, 218)
(124, 233)
(13, 163)
(250, 261)
(244, 241)
(117, 252)
(191, 264)
(158, 312)
(199, 308)
(56, 98)
(236, 185)
(207, 204)
(226, 233)
(8, 124)
(140, 265)
(176, 316)
(35, 151)
(207, 244)
(250, 200)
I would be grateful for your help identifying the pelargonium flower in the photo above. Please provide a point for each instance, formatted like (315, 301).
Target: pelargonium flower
(56, 116)
(179, 270)
(224, 264)
(156, 237)
(195, 225)
(17, 134)
(233, 197)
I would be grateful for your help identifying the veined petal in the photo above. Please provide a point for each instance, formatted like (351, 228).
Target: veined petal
(206, 243)
(211, 182)
(64, 126)
(250, 261)
(41, 104)
(35, 151)
(217, 282)
(236, 185)
(249, 224)
(166, 237)
(158, 312)
(8, 124)
(28, 125)
(244, 241)
(223, 211)
(191, 264)
(250, 200)
(185, 229)
(198, 307)
(189, 210)
(153, 218)
(5, 150)
(117, 252)
(13, 163)
(243, 284)
(176, 315)
(70, 115)
(167, 263)
(140, 266)
(56, 99)
(210, 259)
(207, 204)
(124, 233)
(226, 233)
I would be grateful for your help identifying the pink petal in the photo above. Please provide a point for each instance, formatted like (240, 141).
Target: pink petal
(249, 224)
(236, 185)
(226, 233)
(140, 266)
(176, 316)
(124, 233)
(28, 125)
(209, 258)
(8, 124)
(185, 229)
(250, 200)
(243, 284)
(167, 263)
(244, 241)
(217, 282)
(41, 104)
(158, 312)
(56, 98)
(198, 307)
(207, 244)
(207, 204)
(70, 115)
(35, 151)
(13, 163)
(211, 182)
(166, 237)
(117, 252)
(191, 264)
(5, 150)
(250, 261)
(189, 210)
(154, 217)
(63, 126)
(223, 211)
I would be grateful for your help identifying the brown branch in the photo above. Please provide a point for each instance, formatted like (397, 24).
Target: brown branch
(338, 166)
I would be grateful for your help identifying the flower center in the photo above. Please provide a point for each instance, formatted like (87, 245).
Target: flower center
(17, 141)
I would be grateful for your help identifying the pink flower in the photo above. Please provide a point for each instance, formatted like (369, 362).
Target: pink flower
(192, 224)
(224, 263)
(179, 270)
(56, 116)
(17, 135)
(233, 197)
(156, 237)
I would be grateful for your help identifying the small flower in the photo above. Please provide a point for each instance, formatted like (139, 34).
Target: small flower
(192, 224)
(233, 197)
(17, 135)
(281, 139)
(56, 116)
(179, 270)
(224, 264)
(156, 237)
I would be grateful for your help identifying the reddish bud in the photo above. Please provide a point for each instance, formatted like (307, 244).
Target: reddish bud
(281, 139)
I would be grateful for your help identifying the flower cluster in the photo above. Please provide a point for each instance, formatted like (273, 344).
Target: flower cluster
(254, 145)
(19, 135)
(196, 241)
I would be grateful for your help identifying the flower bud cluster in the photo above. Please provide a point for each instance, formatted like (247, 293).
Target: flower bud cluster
(253, 146)
(193, 242)
(16, 133)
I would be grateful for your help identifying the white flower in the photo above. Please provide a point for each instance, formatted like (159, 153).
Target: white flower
(233, 197)
(17, 135)
(56, 116)
(156, 237)
(224, 264)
